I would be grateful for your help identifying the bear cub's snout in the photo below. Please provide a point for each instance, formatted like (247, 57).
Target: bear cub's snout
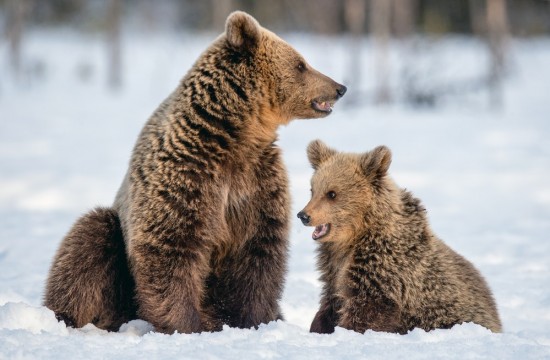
(304, 217)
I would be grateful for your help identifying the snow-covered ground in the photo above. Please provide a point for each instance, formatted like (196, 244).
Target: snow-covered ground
(483, 175)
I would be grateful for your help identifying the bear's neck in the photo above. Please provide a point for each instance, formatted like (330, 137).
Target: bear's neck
(260, 130)
(231, 118)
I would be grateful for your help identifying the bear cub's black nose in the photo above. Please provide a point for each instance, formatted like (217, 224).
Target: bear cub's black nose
(341, 90)
(304, 217)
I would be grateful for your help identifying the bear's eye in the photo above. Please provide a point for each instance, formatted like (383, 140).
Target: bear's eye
(301, 66)
(331, 195)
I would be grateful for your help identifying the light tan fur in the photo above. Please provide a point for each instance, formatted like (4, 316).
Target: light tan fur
(381, 265)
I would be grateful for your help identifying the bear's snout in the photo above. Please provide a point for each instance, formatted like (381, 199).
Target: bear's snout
(304, 217)
(341, 90)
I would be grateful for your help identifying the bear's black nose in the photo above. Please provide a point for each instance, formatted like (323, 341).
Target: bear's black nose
(304, 217)
(341, 90)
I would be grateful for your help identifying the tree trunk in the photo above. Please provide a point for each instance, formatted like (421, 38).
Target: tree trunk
(477, 19)
(497, 29)
(354, 11)
(17, 10)
(404, 17)
(114, 43)
(380, 16)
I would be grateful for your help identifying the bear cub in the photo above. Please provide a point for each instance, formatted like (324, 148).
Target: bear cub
(382, 267)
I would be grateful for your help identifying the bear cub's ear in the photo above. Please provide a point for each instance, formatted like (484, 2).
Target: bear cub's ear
(376, 163)
(242, 31)
(318, 152)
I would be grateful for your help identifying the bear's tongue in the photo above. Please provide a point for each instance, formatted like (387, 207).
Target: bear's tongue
(320, 231)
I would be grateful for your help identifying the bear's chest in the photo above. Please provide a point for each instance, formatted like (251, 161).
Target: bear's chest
(240, 193)
(239, 221)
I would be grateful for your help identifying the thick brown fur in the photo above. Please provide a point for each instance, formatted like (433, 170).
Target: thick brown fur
(204, 206)
(382, 268)
(92, 253)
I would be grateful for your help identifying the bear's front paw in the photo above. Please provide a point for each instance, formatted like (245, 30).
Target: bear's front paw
(210, 322)
(322, 324)
(187, 322)
(351, 323)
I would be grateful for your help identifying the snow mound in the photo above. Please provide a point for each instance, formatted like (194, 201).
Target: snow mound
(21, 316)
(136, 327)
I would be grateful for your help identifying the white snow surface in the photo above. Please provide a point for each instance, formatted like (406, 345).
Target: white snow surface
(483, 174)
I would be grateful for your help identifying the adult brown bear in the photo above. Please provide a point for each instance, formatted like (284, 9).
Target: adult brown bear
(203, 212)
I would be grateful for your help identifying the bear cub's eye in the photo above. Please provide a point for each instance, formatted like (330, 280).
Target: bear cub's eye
(301, 66)
(331, 195)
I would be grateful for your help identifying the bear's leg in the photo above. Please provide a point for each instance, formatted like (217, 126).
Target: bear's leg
(254, 280)
(89, 280)
(366, 303)
(374, 313)
(170, 270)
(326, 318)
(251, 282)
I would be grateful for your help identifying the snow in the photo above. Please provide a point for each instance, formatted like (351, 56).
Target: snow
(482, 173)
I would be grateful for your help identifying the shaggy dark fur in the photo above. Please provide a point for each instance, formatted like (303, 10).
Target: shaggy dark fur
(89, 280)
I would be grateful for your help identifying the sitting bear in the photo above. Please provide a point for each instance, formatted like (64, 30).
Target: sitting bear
(198, 234)
(382, 268)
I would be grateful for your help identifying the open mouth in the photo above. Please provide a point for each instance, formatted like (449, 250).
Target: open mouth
(320, 231)
(323, 106)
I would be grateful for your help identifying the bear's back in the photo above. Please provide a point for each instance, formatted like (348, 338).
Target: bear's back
(452, 291)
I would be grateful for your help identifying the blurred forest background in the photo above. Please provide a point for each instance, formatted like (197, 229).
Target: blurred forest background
(384, 22)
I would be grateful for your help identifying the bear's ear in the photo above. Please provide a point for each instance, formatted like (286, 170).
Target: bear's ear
(242, 31)
(376, 163)
(318, 152)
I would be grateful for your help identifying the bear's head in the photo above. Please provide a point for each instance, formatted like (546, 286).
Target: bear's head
(286, 85)
(350, 193)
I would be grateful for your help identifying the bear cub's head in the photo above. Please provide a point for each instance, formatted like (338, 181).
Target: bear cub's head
(349, 192)
(297, 89)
